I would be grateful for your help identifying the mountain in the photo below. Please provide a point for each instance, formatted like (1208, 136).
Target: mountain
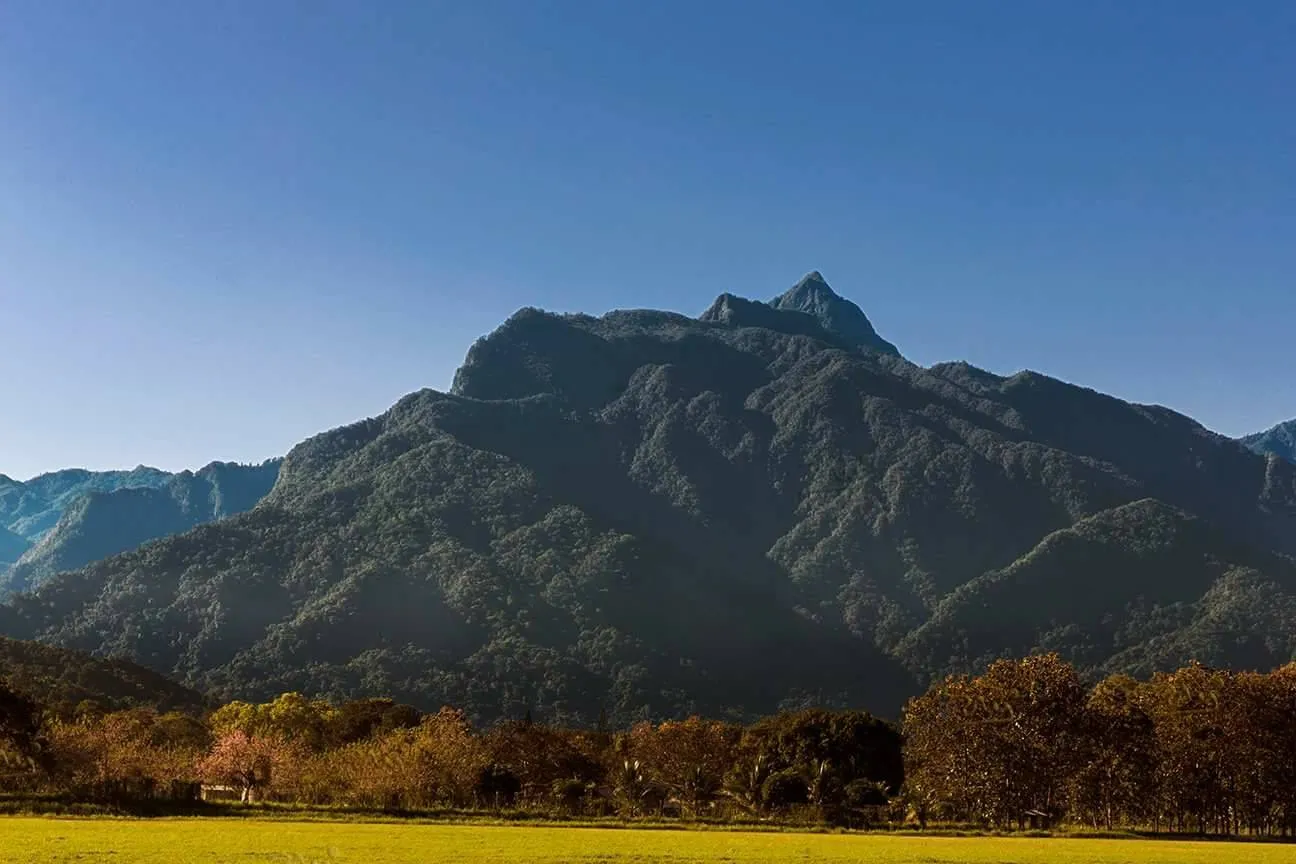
(835, 314)
(1279, 441)
(99, 524)
(1144, 561)
(30, 509)
(651, 514)
(12, 547)
(63, 679)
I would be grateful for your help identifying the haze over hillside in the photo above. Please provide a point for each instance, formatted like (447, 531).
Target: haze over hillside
(73, 517)
(98, 524)
(29, 509)
(651, 514)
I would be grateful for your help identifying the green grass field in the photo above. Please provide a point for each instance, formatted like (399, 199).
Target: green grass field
(180, 841)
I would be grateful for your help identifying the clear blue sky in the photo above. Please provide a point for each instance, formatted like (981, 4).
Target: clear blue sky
(225, 226)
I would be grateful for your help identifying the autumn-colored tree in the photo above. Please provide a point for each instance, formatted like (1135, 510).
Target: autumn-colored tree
(1193, 711)
(434, 764)
(1260, 716)
(448, 758)
(252, 763)
(123, 754)
(380, 771)
(1194, 750)
(178, 731)
(688, 758)
(1000, 746)
(1116, 784)
(541, 759)
(941, 782)
(1274, 755)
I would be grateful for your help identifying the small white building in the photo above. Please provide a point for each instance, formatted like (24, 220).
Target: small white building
(210, 792)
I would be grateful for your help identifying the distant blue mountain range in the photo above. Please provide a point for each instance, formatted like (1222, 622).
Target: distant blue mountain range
(67, 519)
(1280, 441)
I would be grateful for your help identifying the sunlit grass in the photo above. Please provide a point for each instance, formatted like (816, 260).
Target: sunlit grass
(180, 841)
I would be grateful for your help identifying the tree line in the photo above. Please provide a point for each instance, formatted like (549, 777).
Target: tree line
(1026, 744)
(839, 766)
(1197, 750)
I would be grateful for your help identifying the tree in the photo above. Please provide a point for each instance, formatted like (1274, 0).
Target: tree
(251, 763)
(745, 782)
(21, 744)
(1193, 711)
(1118, 781)
(380, 771)
(542, 756)
(358, 719)
(784, 789)
(1272, 728)
(996, 747)
(290, 717)
(448, 757)
(634, 790)
(125, 755)
(936, 753)
(832, 751)
(178, 731)
(687, 758)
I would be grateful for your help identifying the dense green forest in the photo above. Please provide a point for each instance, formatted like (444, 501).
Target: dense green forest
(648, 515)
(1026, 744)
(60, 680)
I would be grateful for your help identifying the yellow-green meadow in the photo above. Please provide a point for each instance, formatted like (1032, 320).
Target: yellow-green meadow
(190, 841)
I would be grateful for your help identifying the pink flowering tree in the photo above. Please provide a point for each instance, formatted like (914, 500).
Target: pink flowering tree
(249, 763)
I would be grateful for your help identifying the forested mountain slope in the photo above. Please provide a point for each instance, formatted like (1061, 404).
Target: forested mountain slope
(652, 514)
(62, 679)
(12, 547)
(31, 508)
(99, 524)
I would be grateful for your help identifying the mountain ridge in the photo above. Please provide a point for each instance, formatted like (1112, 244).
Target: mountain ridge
(30, 508)
(648, 514)
(98, 524)
(1279, 440)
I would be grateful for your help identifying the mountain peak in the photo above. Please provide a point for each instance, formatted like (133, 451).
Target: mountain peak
(814, 296)
(1279, 441)
(814, 279)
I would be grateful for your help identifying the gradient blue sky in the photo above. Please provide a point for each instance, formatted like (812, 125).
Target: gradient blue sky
(225, 226)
